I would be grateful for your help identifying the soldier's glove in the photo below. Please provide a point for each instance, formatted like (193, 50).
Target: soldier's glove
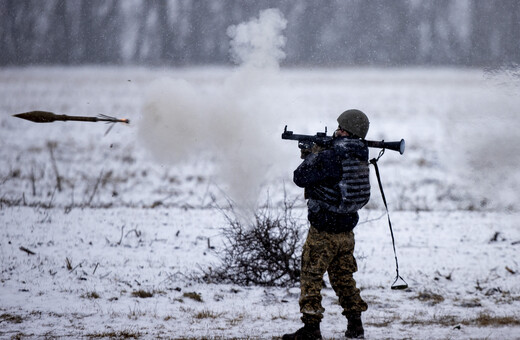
(316, 148)
(304, 153)
(307, 151)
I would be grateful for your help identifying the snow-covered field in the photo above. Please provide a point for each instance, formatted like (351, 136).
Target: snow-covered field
(109, 218)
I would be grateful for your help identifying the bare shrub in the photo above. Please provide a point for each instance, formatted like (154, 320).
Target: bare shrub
(265, 251)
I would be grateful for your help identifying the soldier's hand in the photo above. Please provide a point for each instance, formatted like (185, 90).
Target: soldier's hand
(304, 153)
(316, 148)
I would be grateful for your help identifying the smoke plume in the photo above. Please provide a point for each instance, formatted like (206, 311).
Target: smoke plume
(232, 123)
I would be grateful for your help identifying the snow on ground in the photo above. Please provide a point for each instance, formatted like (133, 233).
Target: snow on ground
(458, 277)
(108, 224)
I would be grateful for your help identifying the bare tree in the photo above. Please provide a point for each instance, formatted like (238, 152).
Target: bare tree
(338, 32)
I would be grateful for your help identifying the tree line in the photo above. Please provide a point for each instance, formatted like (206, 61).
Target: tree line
(319, 33)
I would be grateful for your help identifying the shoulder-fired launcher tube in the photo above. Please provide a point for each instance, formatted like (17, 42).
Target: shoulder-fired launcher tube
(321, 138)
(396, 146)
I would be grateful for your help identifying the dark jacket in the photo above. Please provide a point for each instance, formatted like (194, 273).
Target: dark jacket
(336, 182)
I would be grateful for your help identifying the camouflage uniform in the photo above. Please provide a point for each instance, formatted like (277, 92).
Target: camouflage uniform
(332, 253)
(336, 183)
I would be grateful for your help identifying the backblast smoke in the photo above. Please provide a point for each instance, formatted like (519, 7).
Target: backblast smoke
(234, 123)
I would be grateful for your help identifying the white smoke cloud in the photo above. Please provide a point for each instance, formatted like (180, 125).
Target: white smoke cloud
(258, 43)
(234, 123)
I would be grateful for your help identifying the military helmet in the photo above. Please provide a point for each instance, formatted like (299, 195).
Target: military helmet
(355, 122)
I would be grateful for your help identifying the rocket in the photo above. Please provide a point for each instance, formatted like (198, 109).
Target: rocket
(49, 117)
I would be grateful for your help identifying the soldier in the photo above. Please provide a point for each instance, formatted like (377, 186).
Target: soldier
(336, 182)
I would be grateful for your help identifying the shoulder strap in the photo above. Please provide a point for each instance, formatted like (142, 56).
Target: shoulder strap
(373, 161)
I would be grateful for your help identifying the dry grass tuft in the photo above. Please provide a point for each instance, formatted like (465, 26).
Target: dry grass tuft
(429, 297)
(482, 320)
(443, 320)
(207, 314)
(385, 322)
(91, 295)
(193, 295)
(6, 317)
(487, 320)
(124, 334)
(143, 294)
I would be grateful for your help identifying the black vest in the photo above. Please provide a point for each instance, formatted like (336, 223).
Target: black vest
(336, 183)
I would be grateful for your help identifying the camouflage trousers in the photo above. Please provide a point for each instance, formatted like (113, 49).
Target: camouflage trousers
(332, 253)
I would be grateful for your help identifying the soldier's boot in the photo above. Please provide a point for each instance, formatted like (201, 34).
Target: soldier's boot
(307, 332)
(355, 327)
